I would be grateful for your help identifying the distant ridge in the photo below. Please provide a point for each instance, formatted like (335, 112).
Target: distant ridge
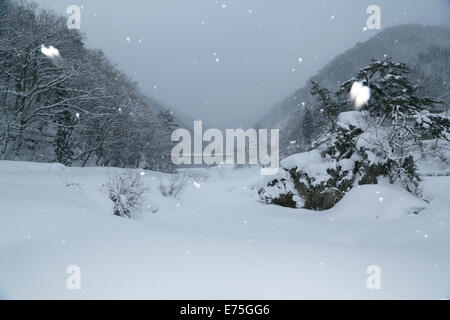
(425, 49)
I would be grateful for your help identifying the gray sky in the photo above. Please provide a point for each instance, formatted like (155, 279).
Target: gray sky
(170, 46)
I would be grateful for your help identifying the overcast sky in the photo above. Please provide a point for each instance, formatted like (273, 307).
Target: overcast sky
(227, 62)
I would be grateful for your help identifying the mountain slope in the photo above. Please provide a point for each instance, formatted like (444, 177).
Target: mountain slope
(426, 50)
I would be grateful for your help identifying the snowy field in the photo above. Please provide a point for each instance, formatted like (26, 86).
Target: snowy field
(216, 240)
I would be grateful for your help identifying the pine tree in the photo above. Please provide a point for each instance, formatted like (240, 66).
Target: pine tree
(307, 126)
(330, 107)
(360, 147)
(396, 101)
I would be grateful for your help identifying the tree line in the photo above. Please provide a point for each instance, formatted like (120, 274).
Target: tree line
(79, 109)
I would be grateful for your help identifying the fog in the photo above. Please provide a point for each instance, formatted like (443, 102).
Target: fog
(228, 62)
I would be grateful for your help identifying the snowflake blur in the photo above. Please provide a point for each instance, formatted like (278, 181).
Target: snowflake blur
(50, 52)
(359, 94)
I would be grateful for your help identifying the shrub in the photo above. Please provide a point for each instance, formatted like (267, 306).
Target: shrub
(362, 147)
(198, 174)
(173, 186)
(126, 190)
(355, 153)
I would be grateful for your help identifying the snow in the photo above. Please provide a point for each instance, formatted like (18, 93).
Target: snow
(286, 186)
(378, 202)
(311, 163)
(217, 241)
(50, 52)
(351, 118)
(429, 161)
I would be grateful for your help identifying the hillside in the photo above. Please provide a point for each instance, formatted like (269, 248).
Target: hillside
(426, 50)
(62, 102)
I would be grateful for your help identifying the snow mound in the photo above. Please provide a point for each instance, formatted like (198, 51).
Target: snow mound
(351, 118)
(379, 202)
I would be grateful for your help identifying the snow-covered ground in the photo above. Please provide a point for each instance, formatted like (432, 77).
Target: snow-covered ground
(216, 241)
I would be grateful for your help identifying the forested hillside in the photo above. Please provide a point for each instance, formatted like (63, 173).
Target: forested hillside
(76, 109)
(426, 50)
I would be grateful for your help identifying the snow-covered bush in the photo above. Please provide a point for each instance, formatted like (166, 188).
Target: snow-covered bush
(354, 154)
(173, 186)
(361, 147)
(126, 190)
(198, 174)
(433, 157)
(281, 191)
(71, 181)
(318, 179)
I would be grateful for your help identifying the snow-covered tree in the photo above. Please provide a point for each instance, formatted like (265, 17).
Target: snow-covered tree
(77, 108)
(361, 147)
(329, 106)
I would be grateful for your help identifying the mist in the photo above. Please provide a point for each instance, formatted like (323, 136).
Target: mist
(228, 62)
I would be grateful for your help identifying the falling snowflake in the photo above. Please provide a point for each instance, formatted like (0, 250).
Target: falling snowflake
(50, 52)
(359, 94)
